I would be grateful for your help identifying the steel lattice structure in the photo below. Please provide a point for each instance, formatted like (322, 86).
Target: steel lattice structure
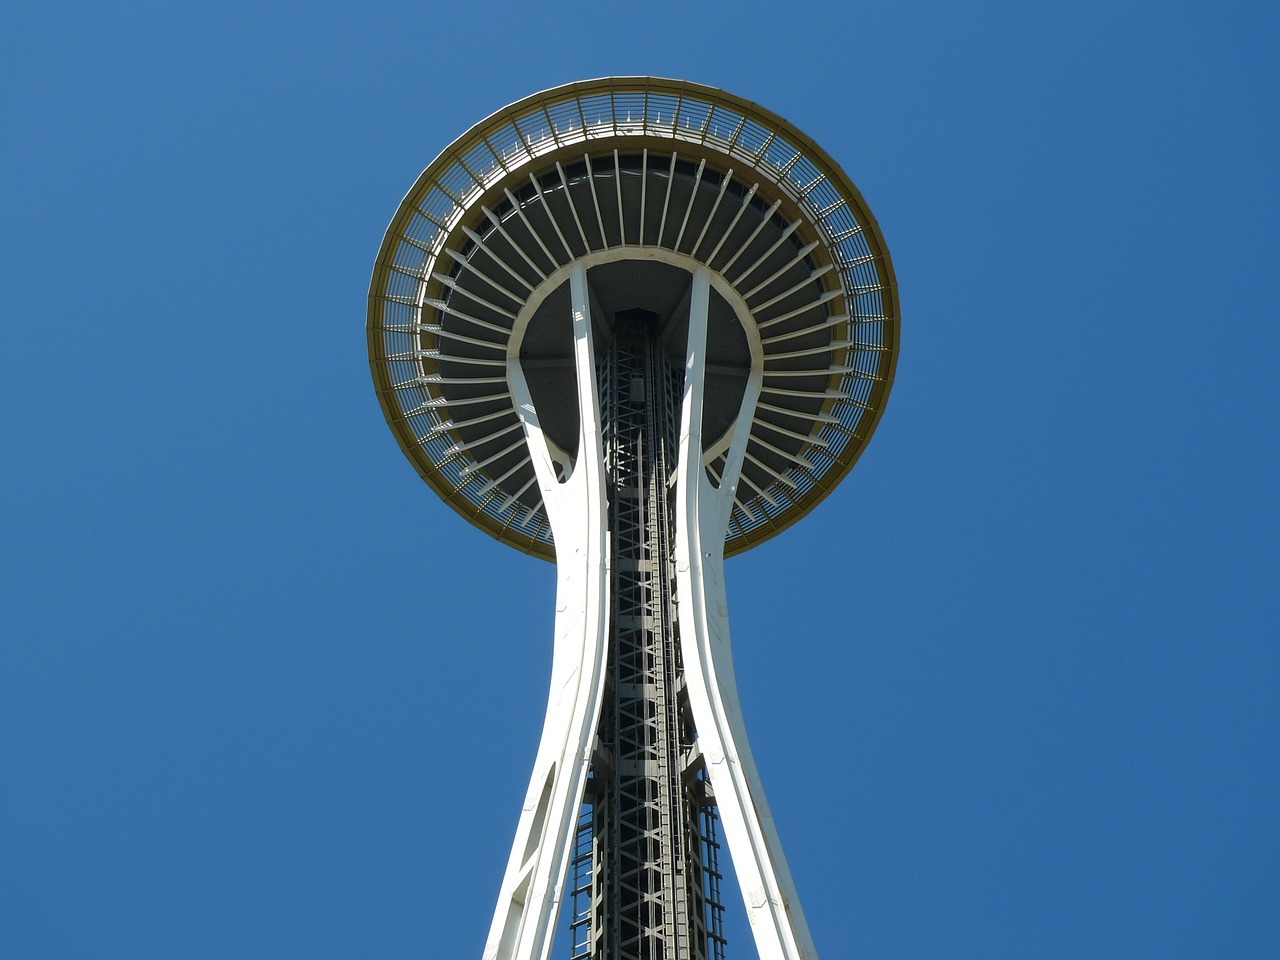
(635, 326)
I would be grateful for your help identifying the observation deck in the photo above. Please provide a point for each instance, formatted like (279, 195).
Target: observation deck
(640, 180)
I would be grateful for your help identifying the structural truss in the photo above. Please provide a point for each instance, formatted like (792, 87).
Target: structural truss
(636, 325)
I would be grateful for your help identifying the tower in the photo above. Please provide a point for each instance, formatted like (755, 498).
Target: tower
(635, 326)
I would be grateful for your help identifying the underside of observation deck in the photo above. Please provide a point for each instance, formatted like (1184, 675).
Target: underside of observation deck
(626, 174)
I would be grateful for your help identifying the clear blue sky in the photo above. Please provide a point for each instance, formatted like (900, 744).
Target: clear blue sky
(1012, 688)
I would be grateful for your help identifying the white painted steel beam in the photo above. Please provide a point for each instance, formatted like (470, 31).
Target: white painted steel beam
(523, 925)
(702, 517)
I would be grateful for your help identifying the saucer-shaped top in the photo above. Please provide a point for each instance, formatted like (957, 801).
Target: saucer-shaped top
(642, 179)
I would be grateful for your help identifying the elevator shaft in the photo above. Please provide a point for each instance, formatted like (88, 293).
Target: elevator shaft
(645, 880)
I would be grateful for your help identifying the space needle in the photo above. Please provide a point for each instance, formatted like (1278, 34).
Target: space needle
(634, 326)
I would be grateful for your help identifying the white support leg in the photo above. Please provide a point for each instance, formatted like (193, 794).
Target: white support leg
(703, 515)
(529, 902)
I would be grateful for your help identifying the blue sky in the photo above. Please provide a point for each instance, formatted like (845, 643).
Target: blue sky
(1012, 688)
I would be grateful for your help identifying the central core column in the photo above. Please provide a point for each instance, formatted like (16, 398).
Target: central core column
(646, 883)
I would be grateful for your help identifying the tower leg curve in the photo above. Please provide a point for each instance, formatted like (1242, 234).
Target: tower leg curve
(523, 926)
(772, 904)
